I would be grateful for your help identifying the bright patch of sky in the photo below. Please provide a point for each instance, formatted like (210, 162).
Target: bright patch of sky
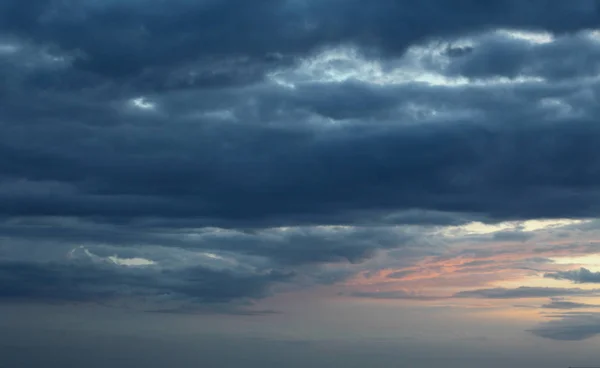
(7, 48)
(533, 37)
(131, 262)
(420, 64)
(595, 34)
(591, 262)
(479, 228)
(345, 63)
(83, 252)
(142, 103)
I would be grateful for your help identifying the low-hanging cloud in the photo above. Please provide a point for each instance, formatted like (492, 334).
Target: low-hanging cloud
(93, 282)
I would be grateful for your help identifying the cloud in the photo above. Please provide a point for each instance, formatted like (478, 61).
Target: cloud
(100, 282)
(299, 139)
(571, 327)
(259, 175)
(396, 294)
(309, 181)
(153, 38)
(219, 309)
(522, 292)
(581, 276)
(561, 304)
(401, 274)
(290, 246)
(264, 163)
(512, 236)
(504, 55)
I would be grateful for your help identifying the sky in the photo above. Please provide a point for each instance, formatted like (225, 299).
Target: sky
(299, 183)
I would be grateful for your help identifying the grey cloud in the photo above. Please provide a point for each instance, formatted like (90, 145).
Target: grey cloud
(501, 236)
(479, 263)
(571, 327)
(512, 236)
(581, 276)
(401, 274)
(310, 245)
(490, 266)
(222, 144)
(92, 282)
(192, 170)
(224, 309)
(256, 174)
(542, 260)
(307, 277)
(561, 304)
(290, 246)
(522, 292)
(150, 36)
(501, 55)
(399, 294)
(519, 263)
(267, 176)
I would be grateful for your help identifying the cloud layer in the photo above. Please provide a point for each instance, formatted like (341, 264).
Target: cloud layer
(237, 145)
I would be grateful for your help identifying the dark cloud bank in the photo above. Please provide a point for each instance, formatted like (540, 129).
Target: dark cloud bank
(131, 124)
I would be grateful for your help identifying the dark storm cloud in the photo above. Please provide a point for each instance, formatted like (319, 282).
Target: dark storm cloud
(522, 292)
(292, 246)
(571, 327)
(145, 123)
(269, 176)
(581, 276)
(120, 40)
(266, 166)
(89, 282)
(272, 172)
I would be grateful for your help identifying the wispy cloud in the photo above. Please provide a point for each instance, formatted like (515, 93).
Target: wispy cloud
(524, 292)
(562, 304)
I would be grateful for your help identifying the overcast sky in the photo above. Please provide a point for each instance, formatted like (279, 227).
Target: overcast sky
(299, 183)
